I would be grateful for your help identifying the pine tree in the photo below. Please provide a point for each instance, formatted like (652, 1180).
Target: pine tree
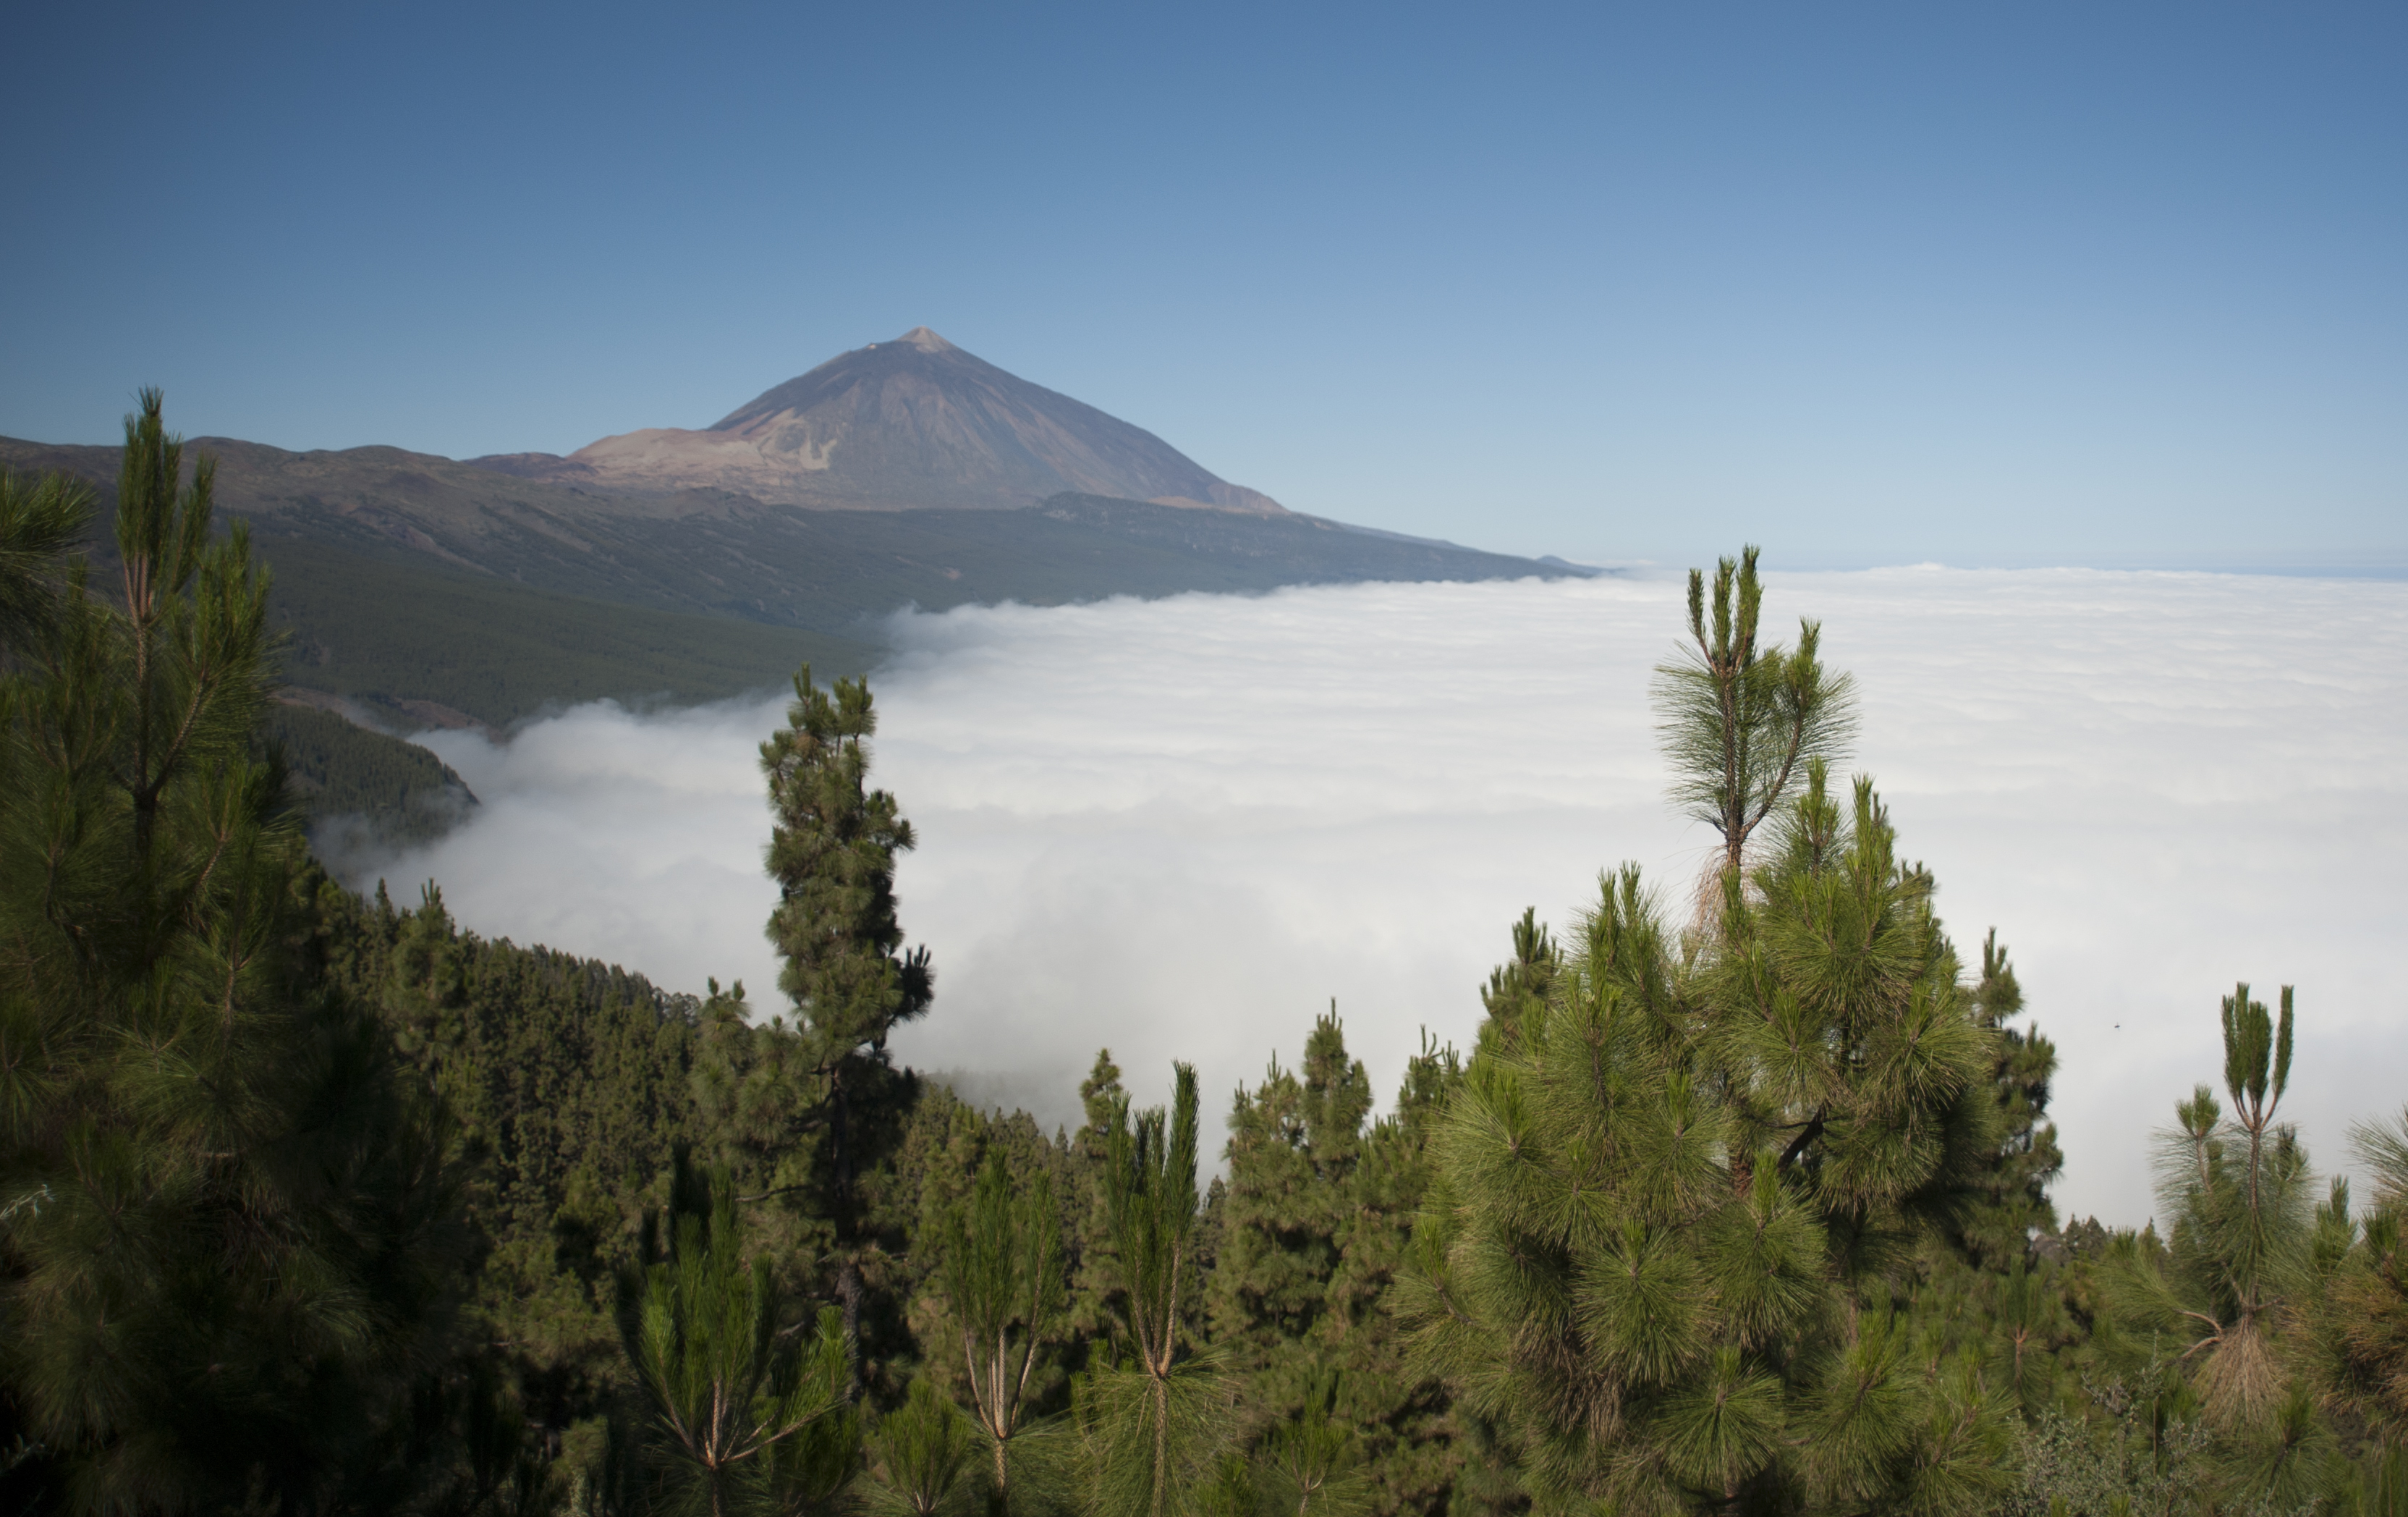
(39, 523)
(2239, 1192)
(1153, 1428)
(832, 852)
(1294, 1147)
(1095, 1320)
(1519, 988)
(1743, 723)
(724, 1381)
(2011, 1205)
(1002, 1268)
(2362, 1324)
(1316, 1218)
(570, 1081)
(2245, 1265)
(922, 1458)
(229, 1226)
(1660, 1246)
(1312, 1462)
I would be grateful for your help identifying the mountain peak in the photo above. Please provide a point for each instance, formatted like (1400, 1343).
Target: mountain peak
(912, 422)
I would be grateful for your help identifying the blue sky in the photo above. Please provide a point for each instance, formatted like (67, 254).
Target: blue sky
(1990, 285)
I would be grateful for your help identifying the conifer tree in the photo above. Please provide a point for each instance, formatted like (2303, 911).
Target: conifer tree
(1742, 723)
(922, 1458)
(2010, 1202)
(229, 1228)
(1315, 1222)
(2243, 1266)
(1154, 1427)
(1519, 988)
(725, 1384)
(1002, 1265)
(1659, 1247)
(1094, 1322)
(2362, 1324)
(1311, 1461)
(1294, 1147)
(832, 851)
(2238, 1190)
(40, 520)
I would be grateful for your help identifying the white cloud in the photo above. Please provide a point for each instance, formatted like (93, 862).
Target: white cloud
(1181, 827)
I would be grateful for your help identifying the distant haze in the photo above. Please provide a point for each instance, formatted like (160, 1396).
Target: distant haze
(1183, 827)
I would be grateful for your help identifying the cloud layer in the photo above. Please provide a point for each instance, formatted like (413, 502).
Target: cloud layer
(1183, 827)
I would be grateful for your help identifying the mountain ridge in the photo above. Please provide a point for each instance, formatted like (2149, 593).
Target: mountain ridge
(552, 581)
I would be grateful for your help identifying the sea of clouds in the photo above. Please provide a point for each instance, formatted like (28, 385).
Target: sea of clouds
(1184, 827)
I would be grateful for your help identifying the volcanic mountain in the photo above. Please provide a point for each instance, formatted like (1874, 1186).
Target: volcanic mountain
(698, 565)
(912, 423)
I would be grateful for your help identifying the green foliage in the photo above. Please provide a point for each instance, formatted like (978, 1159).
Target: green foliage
(379, 790)
(1314, 1225)
(832, 851)
(2266, 1298)
(229, 1227)
(2116, 1462)
(1518, 990)
(1002, 1265)
(1741, 724)
(1152, 1429)
(1150, 1443)
(387, 629)
(2362, 1329)
(702, 1334)
(1657, 1250)
(1228, 1489)
(570, 1080)
(2241, 1197)
(923, 1458)
(1150, 1204)
(2010, 1203)
(313, 1204)
(40, 520)
(1294, 1146)
(1312, 1463)
(463, 1450)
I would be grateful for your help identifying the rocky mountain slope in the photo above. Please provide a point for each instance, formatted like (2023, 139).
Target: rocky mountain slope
(912, 423)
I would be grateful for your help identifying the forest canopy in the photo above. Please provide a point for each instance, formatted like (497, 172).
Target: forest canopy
(1738, 1201)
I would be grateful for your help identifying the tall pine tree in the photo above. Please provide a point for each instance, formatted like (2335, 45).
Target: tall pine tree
(832, 851)
(229, 1226)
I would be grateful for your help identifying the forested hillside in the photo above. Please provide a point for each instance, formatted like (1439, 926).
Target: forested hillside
(407, 577)
(342, 773)
(421, 646)
(1737, 1204)
(426, 593)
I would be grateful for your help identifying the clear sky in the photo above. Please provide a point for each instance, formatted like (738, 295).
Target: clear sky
(2108, 284)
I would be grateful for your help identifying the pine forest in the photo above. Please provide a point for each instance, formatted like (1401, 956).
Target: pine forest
(1739, 1202)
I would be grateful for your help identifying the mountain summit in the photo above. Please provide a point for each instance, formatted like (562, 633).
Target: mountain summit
(914, 421)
